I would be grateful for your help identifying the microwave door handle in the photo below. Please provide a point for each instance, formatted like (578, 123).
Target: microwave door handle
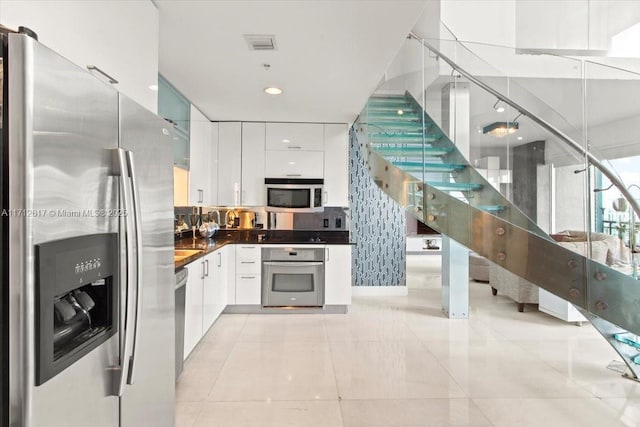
(138, 261)
(121, 170)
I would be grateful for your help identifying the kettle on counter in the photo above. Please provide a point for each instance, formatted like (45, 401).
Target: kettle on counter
(247, 219)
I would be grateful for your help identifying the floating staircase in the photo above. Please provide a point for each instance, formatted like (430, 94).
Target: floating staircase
(413, 161)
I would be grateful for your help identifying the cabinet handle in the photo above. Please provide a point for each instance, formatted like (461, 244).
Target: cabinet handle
(293, 174)
(247, 277)
(293, 147)
(247, 262)
(200, 196)
(94, 68)
(203, 275)
(247, 247)
(326, 254)
(219, 259)
(206, 261)
(244, 197)
(325, 197)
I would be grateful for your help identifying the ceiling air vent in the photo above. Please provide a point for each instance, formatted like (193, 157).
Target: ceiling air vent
(261, 41)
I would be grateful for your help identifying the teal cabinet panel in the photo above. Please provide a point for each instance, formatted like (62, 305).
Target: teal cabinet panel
(175, 108)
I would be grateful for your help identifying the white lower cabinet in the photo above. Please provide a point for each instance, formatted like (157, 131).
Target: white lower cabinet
(214, 293)
(193, 306)
(206, 294)
(337, 274)
(248, 289)
(248, 274)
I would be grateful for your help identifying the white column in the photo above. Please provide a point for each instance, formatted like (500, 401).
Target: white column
(455, 257)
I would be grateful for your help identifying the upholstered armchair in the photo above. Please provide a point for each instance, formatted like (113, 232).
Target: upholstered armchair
(508, 284)
(605, 249)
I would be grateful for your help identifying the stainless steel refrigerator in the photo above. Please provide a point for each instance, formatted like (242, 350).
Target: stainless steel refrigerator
(87, 257)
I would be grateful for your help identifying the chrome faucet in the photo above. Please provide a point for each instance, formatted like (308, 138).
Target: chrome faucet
(217, 212)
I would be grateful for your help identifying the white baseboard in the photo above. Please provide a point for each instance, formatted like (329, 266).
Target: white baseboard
(379, 291)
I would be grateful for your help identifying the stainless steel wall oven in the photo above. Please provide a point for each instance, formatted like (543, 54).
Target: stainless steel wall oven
(292, 277)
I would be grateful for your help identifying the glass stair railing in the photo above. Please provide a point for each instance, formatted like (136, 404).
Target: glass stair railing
(413, 161)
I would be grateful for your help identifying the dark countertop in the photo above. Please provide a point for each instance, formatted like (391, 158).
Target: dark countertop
(271, 237)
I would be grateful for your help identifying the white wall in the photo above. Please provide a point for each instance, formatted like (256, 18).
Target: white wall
(570, 203)
(484, 21)
(120, 37)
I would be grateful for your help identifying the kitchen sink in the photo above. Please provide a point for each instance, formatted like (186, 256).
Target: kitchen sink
(181, 254)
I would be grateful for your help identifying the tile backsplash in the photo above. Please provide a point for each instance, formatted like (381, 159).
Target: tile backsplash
(331, 219)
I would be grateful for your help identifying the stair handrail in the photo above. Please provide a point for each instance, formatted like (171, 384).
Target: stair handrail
(548, 126)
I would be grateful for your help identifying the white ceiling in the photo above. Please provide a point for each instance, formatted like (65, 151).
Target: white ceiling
(330, 55)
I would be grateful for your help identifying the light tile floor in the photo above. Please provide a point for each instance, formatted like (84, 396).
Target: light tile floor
(396, 361)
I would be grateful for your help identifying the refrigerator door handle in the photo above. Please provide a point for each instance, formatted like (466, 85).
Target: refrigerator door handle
(138, 233)
(121, 170)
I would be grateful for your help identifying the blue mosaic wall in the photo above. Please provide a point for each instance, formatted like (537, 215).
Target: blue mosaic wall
(378, 227)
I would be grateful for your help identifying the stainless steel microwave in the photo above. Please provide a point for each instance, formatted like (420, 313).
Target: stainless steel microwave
(294, 195)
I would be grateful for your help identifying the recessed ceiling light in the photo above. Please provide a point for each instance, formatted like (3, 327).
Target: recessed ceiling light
(292, 163)
(519, 138)
(286, 141)
(272, 90)
(153, 87)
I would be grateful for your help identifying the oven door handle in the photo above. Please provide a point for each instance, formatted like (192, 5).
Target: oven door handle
(293, 264)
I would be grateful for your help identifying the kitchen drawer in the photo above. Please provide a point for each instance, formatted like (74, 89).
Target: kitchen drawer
(295, 136)
(298, 164)
(248, 252)
(248, 289)
(250, 266)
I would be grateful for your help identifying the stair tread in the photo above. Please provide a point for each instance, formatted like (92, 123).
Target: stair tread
(410, 151)
(432, 167)
(455, 186)
(404, 139)
(492, 208)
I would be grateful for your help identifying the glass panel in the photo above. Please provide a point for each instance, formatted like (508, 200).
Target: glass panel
(181, 150)
(612, 109)
(289, 282)
(175, 108)
(289, 197)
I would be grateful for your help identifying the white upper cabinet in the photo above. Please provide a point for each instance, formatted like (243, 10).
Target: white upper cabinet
(213, 165)
(336, 165)
(200, 159)
(229, 163)
(295, 164)
(253, 148)
(120, 38)
(295, 136)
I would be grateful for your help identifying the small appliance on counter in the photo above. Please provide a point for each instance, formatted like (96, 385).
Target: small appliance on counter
(247, 219)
